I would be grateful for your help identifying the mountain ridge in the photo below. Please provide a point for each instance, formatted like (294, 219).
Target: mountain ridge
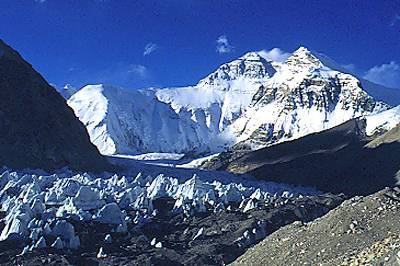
(248, 103)
(342, 159)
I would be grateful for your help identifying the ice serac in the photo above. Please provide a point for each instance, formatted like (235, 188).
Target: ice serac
(38, 129)
(247, 103)
(114, 201)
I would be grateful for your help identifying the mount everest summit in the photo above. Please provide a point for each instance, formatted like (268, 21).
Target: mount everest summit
(248, 104)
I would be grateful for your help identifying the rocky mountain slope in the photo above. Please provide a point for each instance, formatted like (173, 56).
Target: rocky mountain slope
(248, 103)
(361, 231)
(38, 129)
(382, 93)
(336, 160)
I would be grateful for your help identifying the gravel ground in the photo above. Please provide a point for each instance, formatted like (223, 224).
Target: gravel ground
(361, 231)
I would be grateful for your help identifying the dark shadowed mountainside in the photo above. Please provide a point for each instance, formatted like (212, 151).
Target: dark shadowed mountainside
(37, 128)
(336, 160)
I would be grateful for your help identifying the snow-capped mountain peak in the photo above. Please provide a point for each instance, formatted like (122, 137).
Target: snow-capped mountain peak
(303, 58)
(251, 65)
(303, 97)
(249, 102)
(251, 56)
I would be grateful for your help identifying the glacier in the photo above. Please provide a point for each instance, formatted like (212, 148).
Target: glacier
(39, 207)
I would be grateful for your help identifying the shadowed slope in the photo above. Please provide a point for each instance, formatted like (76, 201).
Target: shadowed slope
(37, 128)
(334, 160)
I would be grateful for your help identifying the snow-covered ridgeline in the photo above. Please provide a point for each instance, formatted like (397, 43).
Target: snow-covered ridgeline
(38, 208)
(175, 120)
(248, 101)
(383, 121)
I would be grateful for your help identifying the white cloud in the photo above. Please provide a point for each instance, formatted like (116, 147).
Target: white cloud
(385, 74)
(223, 45)
(149, 48)
(275, 54)
(138, 70)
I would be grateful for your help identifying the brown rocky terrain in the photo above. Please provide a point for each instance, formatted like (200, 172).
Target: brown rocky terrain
(361, 231)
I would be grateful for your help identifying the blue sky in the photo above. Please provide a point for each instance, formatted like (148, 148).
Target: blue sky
(175, 43)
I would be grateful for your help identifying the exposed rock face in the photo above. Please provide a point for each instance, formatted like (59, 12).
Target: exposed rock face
(303, 97)
(391, 136)
(382, 122)
(250, 65)
(37, 128)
